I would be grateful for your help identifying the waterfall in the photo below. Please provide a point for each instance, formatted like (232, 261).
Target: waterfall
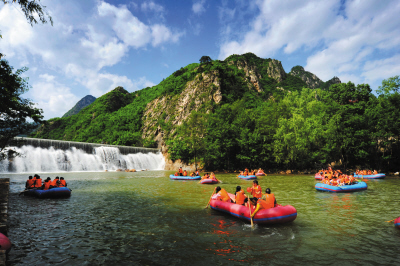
(36, 159)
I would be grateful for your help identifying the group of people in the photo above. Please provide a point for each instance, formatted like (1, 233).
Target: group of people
(210, 176)
(182, 172)
(248, 172)
(366, 172)
(257, 202)
(36, 182)
(336, 178)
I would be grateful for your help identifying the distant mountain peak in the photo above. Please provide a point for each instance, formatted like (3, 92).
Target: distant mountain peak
(85, 101)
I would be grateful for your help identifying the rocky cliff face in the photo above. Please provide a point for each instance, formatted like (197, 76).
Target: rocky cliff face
(312, 80)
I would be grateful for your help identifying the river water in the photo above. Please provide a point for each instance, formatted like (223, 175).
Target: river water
(144, 218)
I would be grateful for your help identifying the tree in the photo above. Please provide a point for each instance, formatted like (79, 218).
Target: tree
(32, 8)
(205, 59)
(390, 85)
(15, 112)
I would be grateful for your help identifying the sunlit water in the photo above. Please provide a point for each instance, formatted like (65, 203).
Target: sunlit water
(144, 218)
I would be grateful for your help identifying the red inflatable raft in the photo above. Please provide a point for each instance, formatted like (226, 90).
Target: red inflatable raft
(209, 181)
(260, 174)
(277, 215)
(397, 222)
(5, 243)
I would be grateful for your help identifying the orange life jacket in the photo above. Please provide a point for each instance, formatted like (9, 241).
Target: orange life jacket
(47, 185)
(63, 183)
(224, 195)
(256, 191)
(180, 170)
(54, 182)
(30, 183)
(269, 202)
(185, 173)
(38, 182)
(240, 197)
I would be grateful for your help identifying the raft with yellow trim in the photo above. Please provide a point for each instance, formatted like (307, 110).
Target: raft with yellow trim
(277, 215)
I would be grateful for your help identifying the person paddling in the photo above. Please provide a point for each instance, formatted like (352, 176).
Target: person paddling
(221, 195)
(260, 204)
(255, 190)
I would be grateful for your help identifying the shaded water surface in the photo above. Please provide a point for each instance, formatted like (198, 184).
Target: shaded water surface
(144, 218)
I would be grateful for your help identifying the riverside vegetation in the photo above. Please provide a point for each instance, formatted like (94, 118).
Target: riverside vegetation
(246, 111)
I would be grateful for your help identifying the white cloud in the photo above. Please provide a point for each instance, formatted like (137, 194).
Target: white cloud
(81, 46)
(339, 39)
(53, 97)
(198, 7)
(151, 6)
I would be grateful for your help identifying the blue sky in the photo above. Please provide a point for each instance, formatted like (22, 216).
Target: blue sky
(95, 46)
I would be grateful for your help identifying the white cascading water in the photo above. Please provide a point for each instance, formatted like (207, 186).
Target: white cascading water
(75, 160)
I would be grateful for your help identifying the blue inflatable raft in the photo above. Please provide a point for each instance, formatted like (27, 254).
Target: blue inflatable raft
(346, 188)
(185, 177)
(59, 192)
(249, 177)
(377, 176)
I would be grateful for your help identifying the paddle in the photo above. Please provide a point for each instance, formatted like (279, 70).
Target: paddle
(210, 198)
(251, 218)
(390, 220)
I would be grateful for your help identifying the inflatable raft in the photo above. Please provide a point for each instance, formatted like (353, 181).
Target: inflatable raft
(346, 188)
(277, 215)
(318, 176)
(260, 174)
(185, 177)
(58, 192)
(5, 243)
(377, 176)
(248, 177)
(397, 222)
(209, 181)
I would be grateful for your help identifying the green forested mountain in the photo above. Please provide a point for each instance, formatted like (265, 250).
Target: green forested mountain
(244, 111)
(85, 101)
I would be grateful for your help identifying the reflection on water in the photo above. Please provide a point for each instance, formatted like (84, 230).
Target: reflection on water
(144, 218)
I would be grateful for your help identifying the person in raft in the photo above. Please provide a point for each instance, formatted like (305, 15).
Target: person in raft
(221, 194)
(197, 173)
(255, 190)
(62, 182)
(240, 197)
(185, 173)
(260, 204)
(29, 183)
(55, 182)
(213, 176)
(268, 197)
(192, 174)
(180, 171)
(47, 184)
(206, 175)
(38, 181)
